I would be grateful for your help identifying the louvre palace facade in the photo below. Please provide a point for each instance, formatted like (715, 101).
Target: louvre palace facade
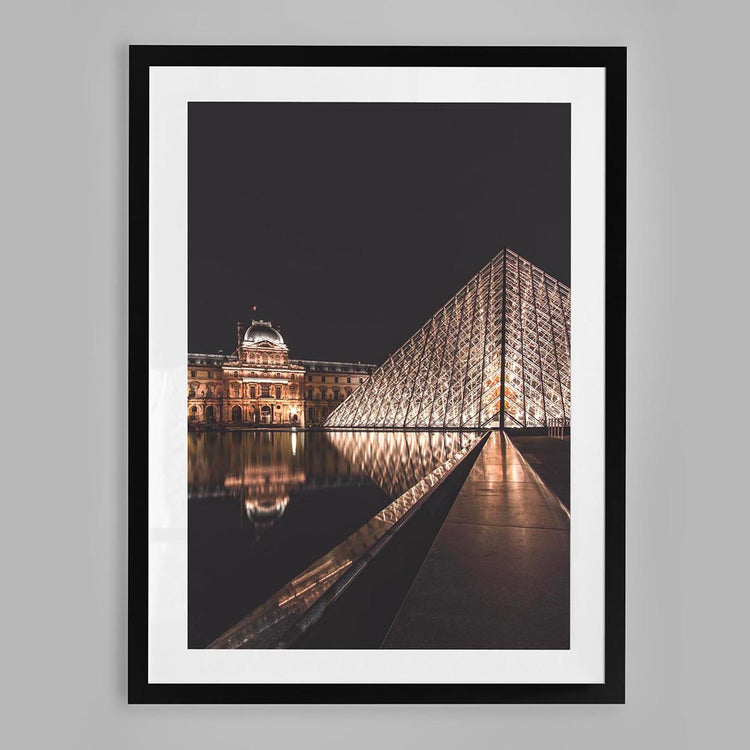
(258, 385)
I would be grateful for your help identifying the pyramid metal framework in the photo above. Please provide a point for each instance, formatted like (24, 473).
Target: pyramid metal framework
(510, 324)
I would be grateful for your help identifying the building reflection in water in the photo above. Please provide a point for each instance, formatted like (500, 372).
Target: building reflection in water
(264, 490)
(262, 470)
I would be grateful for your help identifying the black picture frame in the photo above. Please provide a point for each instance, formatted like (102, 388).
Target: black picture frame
(613, 60)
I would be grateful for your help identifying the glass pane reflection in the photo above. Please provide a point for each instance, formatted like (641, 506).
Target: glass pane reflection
(275, 518)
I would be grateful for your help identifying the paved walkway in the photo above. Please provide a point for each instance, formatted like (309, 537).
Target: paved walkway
(497, 575)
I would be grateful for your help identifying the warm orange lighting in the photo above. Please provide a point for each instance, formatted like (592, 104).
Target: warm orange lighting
(510, 324)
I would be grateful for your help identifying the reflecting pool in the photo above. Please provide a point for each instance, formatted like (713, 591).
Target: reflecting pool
(274, 517)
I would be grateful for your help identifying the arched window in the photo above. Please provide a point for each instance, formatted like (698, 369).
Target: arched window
(236, 414)
(210, 414)
(193, 414)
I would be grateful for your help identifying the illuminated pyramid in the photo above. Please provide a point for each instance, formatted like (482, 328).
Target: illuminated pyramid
(510, 324)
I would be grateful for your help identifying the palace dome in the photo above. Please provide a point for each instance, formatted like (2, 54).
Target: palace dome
(261, 330)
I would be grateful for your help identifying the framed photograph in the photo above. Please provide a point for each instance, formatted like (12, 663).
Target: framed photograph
(377, 375)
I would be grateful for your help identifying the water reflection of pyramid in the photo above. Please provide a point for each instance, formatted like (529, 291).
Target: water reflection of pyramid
(397, 461)
(509, 324)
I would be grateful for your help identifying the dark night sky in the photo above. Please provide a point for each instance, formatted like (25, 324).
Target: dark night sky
(350, 224)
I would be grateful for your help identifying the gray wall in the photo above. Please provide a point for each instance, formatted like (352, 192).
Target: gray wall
(64, 339)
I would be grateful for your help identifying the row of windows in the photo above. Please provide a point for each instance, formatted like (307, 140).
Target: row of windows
(211, 374)
(237, 415)
(311, 378)
(336, 395)
(216, 361)
(333, 367)
(265, 391)
(277, 358)
(265, 359)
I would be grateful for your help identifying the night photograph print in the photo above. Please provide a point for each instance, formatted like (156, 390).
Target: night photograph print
(379, 383)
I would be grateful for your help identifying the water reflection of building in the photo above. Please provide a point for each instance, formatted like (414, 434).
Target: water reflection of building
(393, 461)
(264, 491)
(258, 384)
(253, 458)
(264, 470)
(261, 473)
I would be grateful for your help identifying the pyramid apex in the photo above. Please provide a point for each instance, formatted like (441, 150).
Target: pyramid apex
(496, 353)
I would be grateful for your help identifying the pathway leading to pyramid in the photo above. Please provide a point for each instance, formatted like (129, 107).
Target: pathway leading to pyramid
(497, 575)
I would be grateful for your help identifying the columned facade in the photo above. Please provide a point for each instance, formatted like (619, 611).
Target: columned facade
(259, 386)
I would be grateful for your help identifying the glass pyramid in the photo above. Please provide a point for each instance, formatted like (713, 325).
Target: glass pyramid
(496, 354)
